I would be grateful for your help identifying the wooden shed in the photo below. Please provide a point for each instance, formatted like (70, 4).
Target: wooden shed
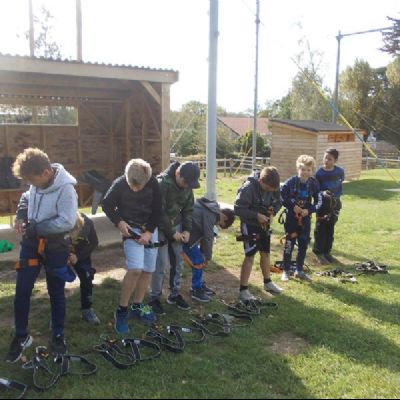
(293, 138)
(122, 113)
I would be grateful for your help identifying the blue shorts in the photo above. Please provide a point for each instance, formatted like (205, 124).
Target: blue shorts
(138, 257)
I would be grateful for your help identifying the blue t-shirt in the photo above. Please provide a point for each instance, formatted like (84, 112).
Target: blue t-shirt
(331, 180)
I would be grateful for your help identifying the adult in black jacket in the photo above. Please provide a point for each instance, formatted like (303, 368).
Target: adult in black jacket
(84, 241)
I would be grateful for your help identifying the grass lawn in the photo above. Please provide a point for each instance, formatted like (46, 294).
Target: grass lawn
(326, 340)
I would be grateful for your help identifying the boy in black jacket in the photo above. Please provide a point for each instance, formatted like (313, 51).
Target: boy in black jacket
(257, 202)
(84, 241)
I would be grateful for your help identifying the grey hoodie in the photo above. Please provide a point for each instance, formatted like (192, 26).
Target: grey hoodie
(205, 216)
(52, 209)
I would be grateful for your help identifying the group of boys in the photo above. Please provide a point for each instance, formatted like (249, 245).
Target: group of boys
(160, 224)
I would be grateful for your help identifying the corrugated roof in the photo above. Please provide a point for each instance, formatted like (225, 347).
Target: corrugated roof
(65, 60)
(241, 125)
(312, 125)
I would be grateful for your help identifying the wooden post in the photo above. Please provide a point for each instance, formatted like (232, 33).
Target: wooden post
(230, 167)
(224, 167)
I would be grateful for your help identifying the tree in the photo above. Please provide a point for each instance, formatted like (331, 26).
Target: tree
(278, 108)
(245, 144)
(391, 38)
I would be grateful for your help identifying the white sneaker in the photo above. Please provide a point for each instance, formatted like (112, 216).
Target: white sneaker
(285, 277)
(272, 288)
(245, 295)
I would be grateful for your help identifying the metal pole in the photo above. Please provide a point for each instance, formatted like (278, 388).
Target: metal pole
(31, 31)
(79, 30)
(211, 151)
(254, 146)
(336, 93)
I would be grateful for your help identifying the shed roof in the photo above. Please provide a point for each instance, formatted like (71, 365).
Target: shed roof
(312, 125)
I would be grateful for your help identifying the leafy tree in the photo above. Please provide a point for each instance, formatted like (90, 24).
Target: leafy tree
(391, 38)
(278, 108)
(245, 144)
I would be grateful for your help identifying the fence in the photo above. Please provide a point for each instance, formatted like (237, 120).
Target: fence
(372, 163)
(230, 165)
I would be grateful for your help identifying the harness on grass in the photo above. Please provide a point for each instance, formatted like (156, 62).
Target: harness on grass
(371, 267)
(278, 267)
(214, 324)
(136, 344)
(198, 334)
(113, 353)
(8, 384)
(45, 377)
(168, 337)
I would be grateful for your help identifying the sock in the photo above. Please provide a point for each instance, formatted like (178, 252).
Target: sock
(267, 280)
(242, 287)
(122, 309)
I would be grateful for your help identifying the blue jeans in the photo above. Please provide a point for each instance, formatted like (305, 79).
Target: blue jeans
(196, 257)
(26, 277)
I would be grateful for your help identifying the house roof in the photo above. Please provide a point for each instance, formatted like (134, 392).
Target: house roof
(66, 67)
(312, 125)
(241, 125)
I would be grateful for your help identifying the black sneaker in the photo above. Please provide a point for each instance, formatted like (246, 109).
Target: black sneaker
(155, 304)
(200, 295)
(207, 290)
(18, 345)
(58, 345)
(330, 258)
(179, 301)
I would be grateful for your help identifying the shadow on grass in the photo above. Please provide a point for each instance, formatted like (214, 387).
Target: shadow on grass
(371, 188)
(374, 308)
(220, 368)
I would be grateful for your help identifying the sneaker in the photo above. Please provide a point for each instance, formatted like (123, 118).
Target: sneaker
(321, 258)
(207, 290)
(121, 322)
(58, 345)
(144, 313)
(245, 295)
(179, 301)
(329, 257)
(17, 347)
(90, 316)
(272, 288)
(200, 295)
(285, 276)
(302, 276)
(156, 306)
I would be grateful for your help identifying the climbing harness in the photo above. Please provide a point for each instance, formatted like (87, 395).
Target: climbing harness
(8, 384)
(167, 337)
(151, 245)
(371, 267)
(213, 324)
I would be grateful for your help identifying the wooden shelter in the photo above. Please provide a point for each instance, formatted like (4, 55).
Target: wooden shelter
(122, 113)
(290, 139)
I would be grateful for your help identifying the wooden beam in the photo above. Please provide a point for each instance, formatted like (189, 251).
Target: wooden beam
(94, 116)
(153, 93)
(165, 110)
(152, 116)
(69, 68)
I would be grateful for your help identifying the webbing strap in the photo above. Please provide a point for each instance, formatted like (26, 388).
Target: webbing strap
(14, 385)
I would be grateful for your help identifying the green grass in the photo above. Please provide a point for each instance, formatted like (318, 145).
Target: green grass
(351, 332)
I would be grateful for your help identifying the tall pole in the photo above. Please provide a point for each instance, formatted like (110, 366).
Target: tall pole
(211, 152)
(336, 93)
(31, 31)
(339, 38)
(254, 146)
(79, 30)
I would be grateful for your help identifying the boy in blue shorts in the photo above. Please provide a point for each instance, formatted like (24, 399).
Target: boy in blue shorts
(133, 204)
(330, 178)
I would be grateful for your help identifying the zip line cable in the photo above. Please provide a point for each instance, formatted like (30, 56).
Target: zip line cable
(333, 107)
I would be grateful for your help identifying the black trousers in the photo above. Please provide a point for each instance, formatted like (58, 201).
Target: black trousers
(324, 236)
(85, 272)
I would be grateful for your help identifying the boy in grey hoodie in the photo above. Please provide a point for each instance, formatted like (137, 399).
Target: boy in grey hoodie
(257, 202)
(46, 213)
(198, 251)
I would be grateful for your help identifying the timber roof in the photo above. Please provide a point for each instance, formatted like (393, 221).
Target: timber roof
(312, 125)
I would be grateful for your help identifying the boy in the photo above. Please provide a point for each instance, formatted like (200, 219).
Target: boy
(84, 241)
(300, 197)
(46, 213)
(330, 177)
(198, 251)
(257, 201)
(133, 203)
(176, 183)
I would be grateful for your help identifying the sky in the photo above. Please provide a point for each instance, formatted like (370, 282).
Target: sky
(174, 34)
